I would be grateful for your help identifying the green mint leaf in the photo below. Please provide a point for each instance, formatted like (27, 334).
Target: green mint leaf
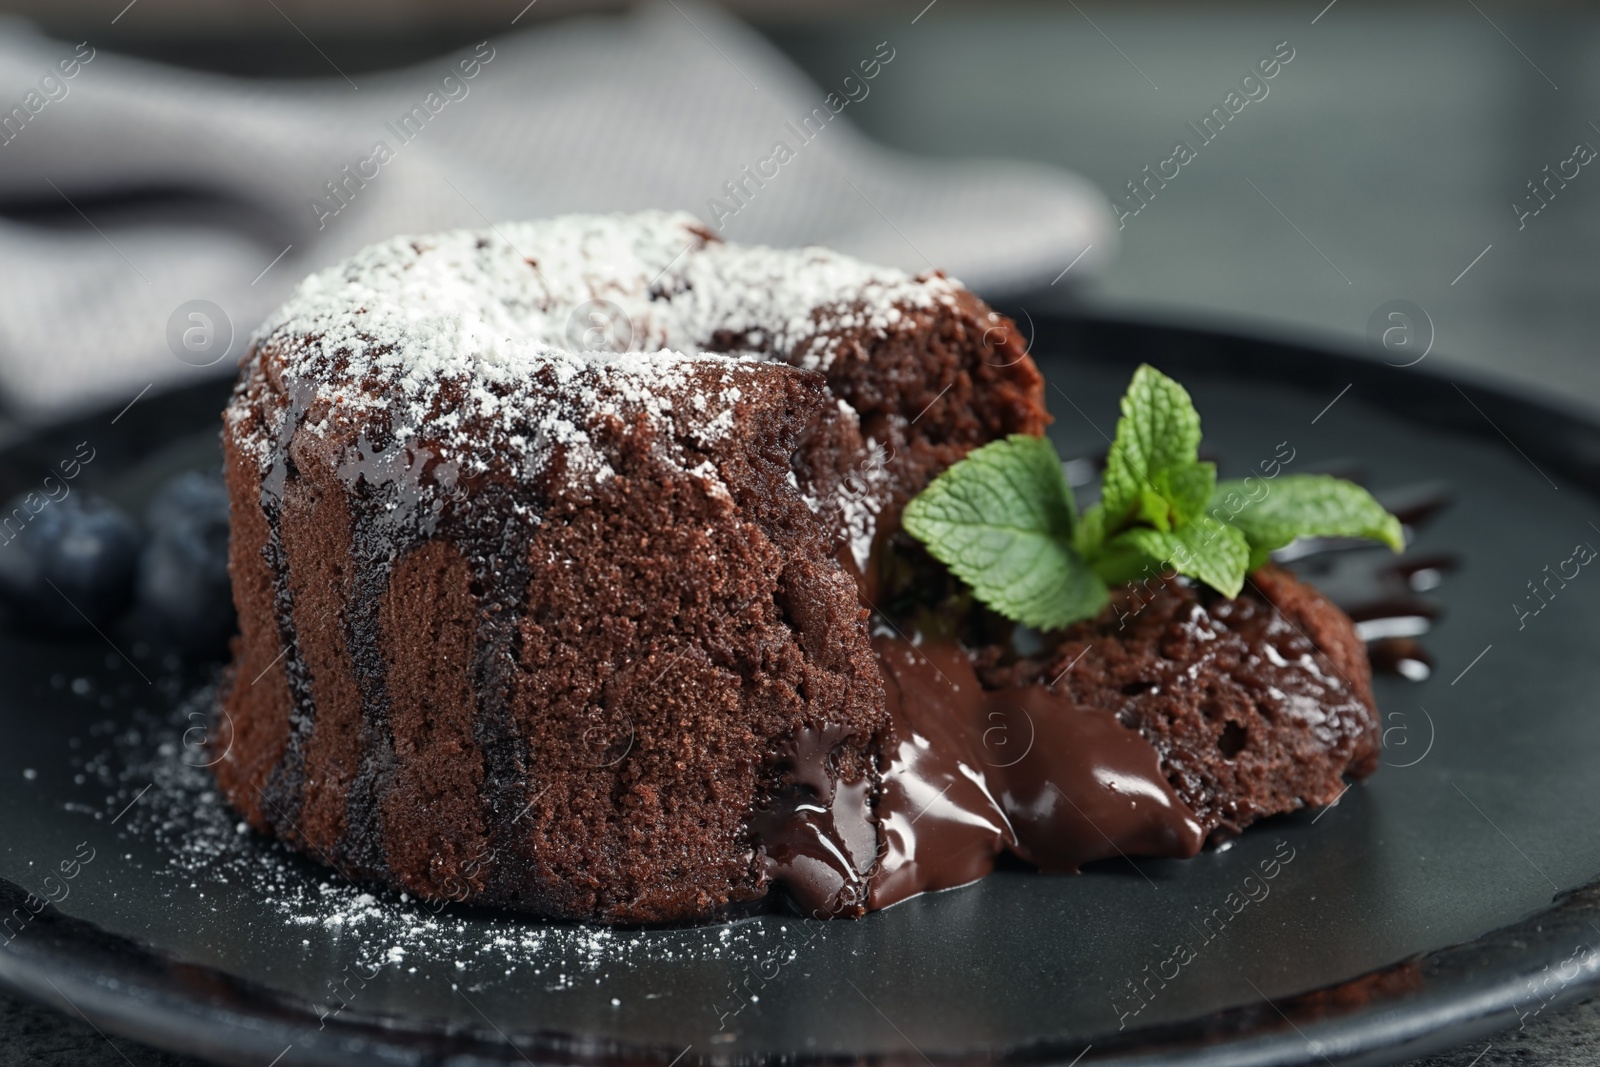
(1216, 554)
(1188, 489)
(1090, 532)
(1002, 521)
(1158, 434)
(1273, 512)
(1120, 562)
(1151, 508)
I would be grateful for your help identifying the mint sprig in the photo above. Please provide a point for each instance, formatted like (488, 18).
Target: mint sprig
(1004, 521)
(1003, 525)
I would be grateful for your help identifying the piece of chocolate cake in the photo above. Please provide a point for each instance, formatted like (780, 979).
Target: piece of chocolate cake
(529, 624)
(1256, 705)
(557, 549)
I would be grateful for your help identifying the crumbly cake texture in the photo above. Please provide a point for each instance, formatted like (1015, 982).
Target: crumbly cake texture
(531, 624)
(1257, 705)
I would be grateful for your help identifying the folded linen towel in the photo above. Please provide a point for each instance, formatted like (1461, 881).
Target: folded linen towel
(183, 186)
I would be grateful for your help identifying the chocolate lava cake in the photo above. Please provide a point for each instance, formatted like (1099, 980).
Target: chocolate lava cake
(555, 549)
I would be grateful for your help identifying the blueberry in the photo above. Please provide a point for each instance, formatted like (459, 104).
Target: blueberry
(67, 564)
(183, 573)
(191, 493)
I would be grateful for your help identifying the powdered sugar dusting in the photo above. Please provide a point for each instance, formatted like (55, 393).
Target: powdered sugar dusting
(529, 333)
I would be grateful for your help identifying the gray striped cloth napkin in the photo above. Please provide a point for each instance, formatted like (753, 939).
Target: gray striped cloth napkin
(673, 105)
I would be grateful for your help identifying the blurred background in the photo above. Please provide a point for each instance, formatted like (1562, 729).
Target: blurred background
(1431, 153)
(1410, 181)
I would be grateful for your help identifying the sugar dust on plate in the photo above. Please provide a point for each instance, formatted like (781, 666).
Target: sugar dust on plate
(204, 842)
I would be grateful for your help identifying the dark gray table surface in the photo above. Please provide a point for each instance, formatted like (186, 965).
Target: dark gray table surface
(1383, 165)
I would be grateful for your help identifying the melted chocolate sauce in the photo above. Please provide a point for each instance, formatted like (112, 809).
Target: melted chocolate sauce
(939, 815)
(966, 774)
(1379, 593)
(818, 838)
(1089, 789)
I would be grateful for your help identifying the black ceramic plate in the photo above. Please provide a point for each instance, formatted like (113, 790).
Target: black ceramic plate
(1441, 898)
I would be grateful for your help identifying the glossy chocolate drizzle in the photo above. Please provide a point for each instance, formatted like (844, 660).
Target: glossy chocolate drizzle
(282, 793)
(1382, 595)
(416, 487)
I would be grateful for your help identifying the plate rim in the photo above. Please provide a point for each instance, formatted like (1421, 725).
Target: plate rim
(129, 988)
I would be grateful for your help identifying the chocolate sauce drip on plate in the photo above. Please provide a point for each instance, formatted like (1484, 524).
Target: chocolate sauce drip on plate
(1379, 593)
